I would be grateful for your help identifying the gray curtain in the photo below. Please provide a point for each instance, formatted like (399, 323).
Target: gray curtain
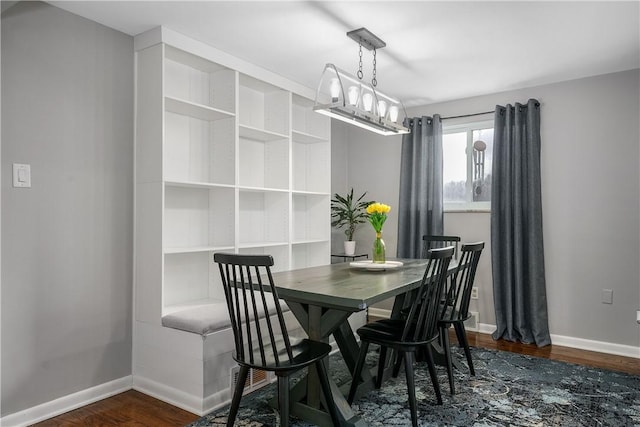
(420, 209)
(517, 249)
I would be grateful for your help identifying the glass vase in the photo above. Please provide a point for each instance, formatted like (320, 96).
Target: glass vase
(379, 250)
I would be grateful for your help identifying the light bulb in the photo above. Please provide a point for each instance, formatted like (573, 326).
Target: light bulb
(334, 88)
(367, 101)
(353, 94)
(382, 109)
(393, 113)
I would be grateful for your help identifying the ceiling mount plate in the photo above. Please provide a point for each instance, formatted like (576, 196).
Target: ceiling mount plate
(366, 38)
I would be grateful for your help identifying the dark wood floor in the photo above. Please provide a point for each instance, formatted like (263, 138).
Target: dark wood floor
(133, 408)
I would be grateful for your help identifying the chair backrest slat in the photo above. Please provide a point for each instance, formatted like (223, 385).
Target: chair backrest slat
(432, 241)
(421, 324)
(458, 295)
(251, 299)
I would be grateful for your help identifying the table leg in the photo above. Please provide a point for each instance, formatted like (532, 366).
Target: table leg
(305, 396)
(313, 385)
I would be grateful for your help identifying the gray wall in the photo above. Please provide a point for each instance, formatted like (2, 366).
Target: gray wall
(591, 200)
(367, 162)
(67, 110)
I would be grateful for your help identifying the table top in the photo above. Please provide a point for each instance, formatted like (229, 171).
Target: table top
(344, 287)
(350, 256)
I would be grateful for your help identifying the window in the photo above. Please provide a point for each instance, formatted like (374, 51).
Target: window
(467, 151)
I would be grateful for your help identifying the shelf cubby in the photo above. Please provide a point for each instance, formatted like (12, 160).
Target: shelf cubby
(190, 278)
(263, 217)
(199, 81)
(264, 164)
(306, 122)
(263, 106)
(198, 218)
(309, 254)
(310, 217)
(199, 150)
(311, 165)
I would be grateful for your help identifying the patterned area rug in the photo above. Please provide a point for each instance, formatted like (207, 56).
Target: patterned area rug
(508, 390)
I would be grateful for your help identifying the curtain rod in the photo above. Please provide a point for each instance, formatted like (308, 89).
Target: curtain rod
(468, 115)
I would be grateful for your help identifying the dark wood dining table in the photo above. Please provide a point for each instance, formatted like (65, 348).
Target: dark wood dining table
(322, 299)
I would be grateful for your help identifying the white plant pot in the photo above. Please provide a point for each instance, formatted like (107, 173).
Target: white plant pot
(350, 247)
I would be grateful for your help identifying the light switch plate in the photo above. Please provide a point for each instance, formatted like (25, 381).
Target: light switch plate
(21, 175)
(607, 296)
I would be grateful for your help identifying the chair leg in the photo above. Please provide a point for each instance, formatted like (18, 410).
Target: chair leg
(364, 347)
(326, 389)
(397, 364)
(411, 388)
(432, 372)
(237, 395)
(461, 332)
(382, 361)
(283, 400)
(444, 335)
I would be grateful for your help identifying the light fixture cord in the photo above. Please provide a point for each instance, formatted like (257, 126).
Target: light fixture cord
(360, 63)
(374, 80)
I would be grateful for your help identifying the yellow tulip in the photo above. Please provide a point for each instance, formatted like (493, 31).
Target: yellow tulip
(378, 215)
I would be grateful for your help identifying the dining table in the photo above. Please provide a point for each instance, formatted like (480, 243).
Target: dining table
(322, 299)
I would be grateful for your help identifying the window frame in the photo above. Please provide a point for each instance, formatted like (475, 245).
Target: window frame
(468, 205)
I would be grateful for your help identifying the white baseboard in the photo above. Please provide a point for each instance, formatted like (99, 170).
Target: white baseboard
(580, 343)
(168, 394)
(599, 346)
(194, 404)
(66, 403)
(485, 328)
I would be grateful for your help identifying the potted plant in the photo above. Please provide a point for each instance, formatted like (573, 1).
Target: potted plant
(347, 213)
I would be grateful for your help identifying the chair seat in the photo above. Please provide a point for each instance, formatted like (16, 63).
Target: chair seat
(388, 332)
(305, 352)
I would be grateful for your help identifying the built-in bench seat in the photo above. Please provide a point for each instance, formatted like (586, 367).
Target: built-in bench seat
(187, 358)
(206, 317)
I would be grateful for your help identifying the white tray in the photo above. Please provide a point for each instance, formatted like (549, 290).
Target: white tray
(370, 265)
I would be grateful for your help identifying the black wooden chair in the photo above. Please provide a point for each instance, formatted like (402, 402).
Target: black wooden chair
(263, 343)
(437, 241)
(405, 336)
(456, 305)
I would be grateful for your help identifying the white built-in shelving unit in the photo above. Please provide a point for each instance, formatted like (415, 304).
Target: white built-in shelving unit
(231, 158)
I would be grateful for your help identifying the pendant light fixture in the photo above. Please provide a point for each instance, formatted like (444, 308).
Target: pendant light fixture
(357, 102)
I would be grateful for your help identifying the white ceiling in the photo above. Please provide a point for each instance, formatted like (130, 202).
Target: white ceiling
(436, 51)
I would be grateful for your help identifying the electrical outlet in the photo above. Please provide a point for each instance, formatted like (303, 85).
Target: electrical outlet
(474, 292)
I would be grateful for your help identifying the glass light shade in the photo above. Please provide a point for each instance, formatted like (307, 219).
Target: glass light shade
(353, 94)
(344, 97)
(382, 108)
(367, 101)
(334, 88)
(393, 113)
